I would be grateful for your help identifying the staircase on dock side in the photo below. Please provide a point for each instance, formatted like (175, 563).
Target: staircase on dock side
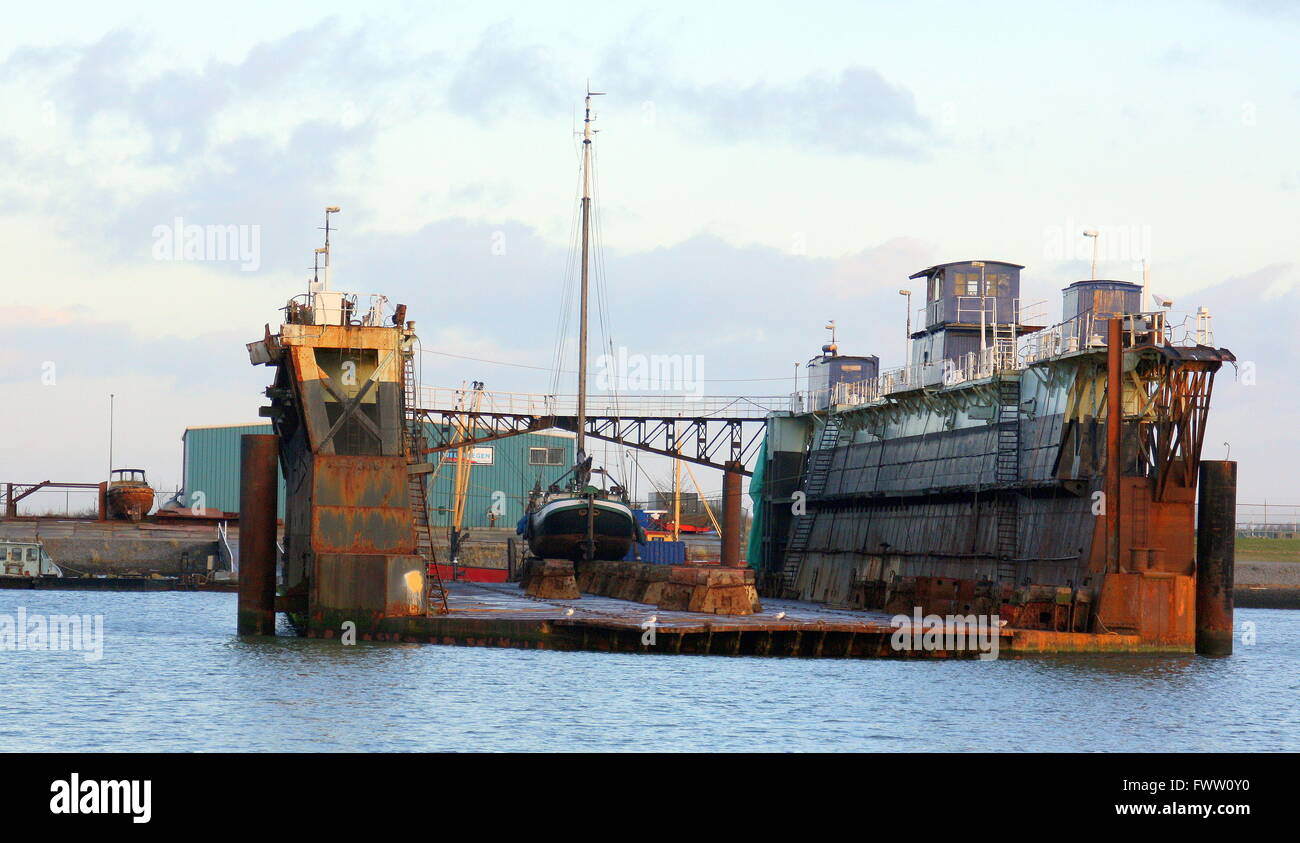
(417, 492)
(814, 484)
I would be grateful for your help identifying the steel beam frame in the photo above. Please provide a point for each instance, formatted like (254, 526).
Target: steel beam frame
(706, 441)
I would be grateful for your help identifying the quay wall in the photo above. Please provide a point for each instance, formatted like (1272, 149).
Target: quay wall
(112, 547)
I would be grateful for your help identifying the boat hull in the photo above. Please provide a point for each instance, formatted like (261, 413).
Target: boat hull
(130, 502)
(559, 528)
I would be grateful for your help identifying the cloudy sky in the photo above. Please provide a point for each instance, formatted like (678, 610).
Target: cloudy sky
(762, 170)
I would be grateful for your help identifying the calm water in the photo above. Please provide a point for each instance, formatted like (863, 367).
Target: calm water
(173, 677)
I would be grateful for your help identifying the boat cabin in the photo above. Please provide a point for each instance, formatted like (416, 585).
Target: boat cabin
(26, 559)
(127, 477)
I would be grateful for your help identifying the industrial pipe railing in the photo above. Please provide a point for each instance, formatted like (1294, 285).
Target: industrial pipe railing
(1003, 355)
(448, 400)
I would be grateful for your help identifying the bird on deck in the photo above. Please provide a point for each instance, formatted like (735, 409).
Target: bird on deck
(780, 615)
(568, 613)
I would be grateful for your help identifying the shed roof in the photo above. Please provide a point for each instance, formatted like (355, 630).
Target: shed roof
(930, 270)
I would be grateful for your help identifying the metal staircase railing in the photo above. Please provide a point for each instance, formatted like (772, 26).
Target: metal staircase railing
(819, 463)
(417, 493)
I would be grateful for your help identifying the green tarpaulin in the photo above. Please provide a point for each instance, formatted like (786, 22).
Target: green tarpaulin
(754, 550)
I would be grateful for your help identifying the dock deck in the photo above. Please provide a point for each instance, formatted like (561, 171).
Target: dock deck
(495, 600)
(500, 614)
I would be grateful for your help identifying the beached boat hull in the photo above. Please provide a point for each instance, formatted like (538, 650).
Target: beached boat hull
(130, 502)
(558, 529)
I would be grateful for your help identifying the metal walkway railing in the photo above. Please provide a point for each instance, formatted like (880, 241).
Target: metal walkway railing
(609, 405)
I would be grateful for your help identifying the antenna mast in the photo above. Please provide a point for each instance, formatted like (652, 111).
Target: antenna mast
(332, 209)
(110, 436)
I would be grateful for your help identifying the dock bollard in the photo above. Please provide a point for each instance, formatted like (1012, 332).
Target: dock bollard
(258, 486)
(1216, 532)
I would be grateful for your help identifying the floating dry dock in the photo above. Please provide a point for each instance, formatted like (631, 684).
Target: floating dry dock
(1049, 478)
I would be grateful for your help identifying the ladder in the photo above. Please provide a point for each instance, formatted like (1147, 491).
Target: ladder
(1008, 474)
(819, 461)
(416, 491)
(814, 483)
(794, 552)
(1004, 333)
(1008, 515)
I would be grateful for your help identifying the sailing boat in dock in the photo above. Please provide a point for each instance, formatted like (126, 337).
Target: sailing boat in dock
(579, 521)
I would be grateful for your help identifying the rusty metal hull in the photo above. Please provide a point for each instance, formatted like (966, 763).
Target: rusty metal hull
(995, 496)
(130, 503)
(338, 412)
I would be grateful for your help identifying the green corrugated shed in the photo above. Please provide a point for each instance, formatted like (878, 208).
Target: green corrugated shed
(211, 466)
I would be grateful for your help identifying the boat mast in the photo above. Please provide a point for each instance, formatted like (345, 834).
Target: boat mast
(582, 307)
(110, 437)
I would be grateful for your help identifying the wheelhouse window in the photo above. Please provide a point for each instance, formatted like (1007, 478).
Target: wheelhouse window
(966, 283)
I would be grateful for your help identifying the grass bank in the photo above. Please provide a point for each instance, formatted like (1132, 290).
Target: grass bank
(1268, 550)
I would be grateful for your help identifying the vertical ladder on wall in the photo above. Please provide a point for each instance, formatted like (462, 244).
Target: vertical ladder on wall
(1008, 474)
(416, 491)
(814, 483)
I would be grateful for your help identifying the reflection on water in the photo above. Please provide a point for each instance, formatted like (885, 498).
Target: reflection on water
(174, 677)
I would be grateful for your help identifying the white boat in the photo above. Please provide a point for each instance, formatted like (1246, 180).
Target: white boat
(26, 559)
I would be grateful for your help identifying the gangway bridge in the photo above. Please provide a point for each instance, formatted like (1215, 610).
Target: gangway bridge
(720, 432)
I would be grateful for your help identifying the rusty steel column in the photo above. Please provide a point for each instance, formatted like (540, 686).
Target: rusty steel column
(258, 484)
(1114, 430)
(1216, 532)
(731, 515)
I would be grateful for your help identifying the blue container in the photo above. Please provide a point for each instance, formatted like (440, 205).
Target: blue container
(660, 553)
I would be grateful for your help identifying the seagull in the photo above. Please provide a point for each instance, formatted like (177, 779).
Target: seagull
(568, 612)
(780, 615)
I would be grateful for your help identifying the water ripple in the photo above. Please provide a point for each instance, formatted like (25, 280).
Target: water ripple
(175, 678)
